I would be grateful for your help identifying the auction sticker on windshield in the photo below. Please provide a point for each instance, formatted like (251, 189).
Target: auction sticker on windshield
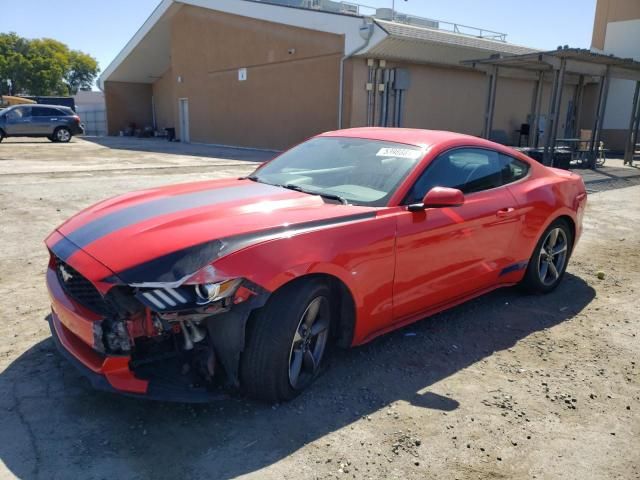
(398, 153)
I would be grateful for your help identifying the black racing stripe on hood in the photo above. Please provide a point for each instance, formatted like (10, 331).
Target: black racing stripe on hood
(64, 248)
(177, 265)
(107, 224)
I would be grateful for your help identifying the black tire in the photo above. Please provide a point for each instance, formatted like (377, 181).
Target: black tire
(270, 352)
(51, 138)
(62, 135)
(1, 136)
(554, 272)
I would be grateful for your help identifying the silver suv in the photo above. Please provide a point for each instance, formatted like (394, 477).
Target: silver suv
(55, 122)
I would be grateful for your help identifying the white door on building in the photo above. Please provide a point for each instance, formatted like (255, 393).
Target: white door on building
(184, 120)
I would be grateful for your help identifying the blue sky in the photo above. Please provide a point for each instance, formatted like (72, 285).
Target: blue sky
(102, 27)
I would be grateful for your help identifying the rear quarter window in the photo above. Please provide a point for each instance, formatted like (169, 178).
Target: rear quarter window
(513, 169)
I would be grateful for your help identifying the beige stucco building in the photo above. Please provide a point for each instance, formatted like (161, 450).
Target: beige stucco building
(616, 31)
(257, 74)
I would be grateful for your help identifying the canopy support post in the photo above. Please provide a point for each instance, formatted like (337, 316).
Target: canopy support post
(554, 114)
(632, 134)
(602, 108)
(491, 102)
(537, 103)
(578, 107)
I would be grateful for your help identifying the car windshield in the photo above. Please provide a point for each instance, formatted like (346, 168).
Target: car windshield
(352, 170)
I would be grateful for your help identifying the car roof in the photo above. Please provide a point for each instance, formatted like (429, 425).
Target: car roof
(412, 136)
(12, 107)
(51, 106)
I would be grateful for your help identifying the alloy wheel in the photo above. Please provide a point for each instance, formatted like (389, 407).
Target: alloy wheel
(553, 256)
(63, 135)
(309, 343)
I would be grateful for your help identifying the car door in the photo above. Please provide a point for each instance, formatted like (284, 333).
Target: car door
(19, 121)
(44, 120)
(444, 254)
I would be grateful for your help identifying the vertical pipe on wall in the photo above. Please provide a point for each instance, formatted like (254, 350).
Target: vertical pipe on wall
(391, 116)
(153, 113)
(384, 97)
(370, 92)
(376, 96)
(396, 108)
(366, 32)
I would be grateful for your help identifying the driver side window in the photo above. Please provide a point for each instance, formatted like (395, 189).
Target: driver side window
(467, 169)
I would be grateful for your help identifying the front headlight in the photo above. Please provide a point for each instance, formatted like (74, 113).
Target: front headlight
(187, 297)
(212, 292)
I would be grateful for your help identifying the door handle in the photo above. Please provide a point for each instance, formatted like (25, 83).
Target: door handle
(54, 119)
(505, 212)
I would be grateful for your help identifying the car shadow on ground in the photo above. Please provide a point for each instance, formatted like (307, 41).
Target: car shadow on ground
(159, 145)
(54, 425)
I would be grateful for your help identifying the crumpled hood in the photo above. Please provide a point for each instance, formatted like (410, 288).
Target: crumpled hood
(166, 234)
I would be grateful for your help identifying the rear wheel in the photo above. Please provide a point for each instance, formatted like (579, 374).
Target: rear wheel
(287, 342)
(62, 135)
(550, 257)
(1, 136)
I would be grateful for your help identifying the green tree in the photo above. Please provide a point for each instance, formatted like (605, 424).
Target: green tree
(14, 65)
(82, 71)
(43, 67)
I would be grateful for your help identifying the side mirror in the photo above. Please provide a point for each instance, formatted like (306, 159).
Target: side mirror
(439, 197)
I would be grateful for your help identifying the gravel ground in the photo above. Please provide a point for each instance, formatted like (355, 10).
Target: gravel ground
(506, 386)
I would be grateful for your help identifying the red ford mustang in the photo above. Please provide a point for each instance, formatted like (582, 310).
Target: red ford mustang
(181, 292)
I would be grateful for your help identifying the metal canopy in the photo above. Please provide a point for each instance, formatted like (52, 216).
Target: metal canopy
(578, 61)
(558, 64)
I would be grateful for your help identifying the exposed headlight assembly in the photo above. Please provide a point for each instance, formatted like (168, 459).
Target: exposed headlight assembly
(212, 292)
(187, 297)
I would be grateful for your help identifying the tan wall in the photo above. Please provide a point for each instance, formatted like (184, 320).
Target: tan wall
(127, 103)
(164, 101)
(612, 11)
(514, 99)
(445, 99)
(287, 96)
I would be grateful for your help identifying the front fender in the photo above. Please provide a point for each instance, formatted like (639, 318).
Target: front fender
(360, 254)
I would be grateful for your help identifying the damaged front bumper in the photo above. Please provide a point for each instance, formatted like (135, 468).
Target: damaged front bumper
(74, 328)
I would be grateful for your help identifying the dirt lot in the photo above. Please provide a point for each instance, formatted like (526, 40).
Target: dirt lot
(507, 386)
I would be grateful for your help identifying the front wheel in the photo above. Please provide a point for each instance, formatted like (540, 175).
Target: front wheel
(550, 257)
(1, 136)
(62, 135)
(287, 342)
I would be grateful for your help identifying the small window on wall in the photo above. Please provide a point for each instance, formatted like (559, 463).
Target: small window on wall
(512, 169)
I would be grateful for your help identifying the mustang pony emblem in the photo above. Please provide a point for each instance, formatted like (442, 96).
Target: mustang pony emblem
(66, 276)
